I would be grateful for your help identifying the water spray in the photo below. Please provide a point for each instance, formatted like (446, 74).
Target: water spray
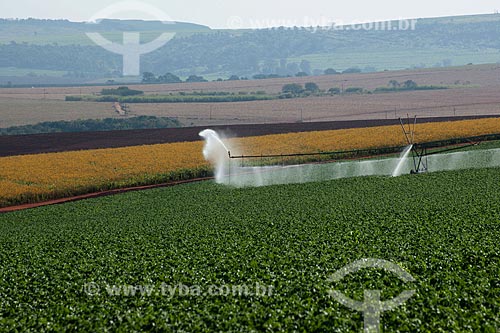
(402, 159)
(217, 151)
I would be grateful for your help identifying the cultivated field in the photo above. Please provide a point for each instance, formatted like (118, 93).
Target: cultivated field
(297, 209)
(123, 263)
(24, 111)
(13, 145)
(34, 178)
(474, 91)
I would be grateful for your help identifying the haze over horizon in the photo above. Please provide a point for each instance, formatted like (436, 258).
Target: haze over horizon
(223, 14)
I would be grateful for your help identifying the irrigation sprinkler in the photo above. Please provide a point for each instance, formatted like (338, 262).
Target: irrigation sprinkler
(420, 152)
(235, 164)
(419, 158)
(330, 155)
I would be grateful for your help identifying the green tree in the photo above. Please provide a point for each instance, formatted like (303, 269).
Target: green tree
(410, 84)
(169, 78)
(330, 71)
(121, 91)
(148, 77)
(354, 90)
(394, 84)
(312, 87)
(352, 70)
(292, 88)
(195, 78)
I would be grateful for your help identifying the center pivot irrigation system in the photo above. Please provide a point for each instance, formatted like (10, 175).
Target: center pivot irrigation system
(419, 151)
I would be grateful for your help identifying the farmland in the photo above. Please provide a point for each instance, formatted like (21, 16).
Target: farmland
(63, 46)
(290, 237)
(77, 172)
(474, 91)
(261, 176)
(27, 111)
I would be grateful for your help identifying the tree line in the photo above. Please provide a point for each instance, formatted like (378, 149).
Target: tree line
(246, 53)
(93, 125)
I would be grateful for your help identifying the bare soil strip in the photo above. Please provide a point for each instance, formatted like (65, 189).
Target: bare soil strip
(61, 142)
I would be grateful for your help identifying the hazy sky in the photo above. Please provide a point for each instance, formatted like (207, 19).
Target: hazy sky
(256, 13)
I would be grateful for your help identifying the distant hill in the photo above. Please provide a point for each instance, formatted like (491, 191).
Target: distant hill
(64, 32)
(43, 50)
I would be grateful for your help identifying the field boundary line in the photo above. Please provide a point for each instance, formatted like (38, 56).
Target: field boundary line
(99, 194)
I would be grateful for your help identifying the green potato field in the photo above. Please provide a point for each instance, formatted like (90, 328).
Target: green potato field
(169, 259)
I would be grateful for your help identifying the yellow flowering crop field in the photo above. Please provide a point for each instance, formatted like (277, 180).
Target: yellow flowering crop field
(33, 178)
(361, 138)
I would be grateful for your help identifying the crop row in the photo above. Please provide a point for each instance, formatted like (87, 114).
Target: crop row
(171, 99)
(41, 177)
(442, 228)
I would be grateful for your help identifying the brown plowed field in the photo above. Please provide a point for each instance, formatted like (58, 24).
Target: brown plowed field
(474, 90)
(59, 142)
